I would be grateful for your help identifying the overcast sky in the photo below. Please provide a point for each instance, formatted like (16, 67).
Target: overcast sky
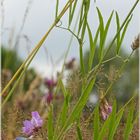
(41, 15)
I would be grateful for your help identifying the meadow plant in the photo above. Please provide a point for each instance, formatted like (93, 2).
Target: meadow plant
(62, 118)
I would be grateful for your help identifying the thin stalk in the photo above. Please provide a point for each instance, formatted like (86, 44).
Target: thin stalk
(111, 84)
(17, 82)
(66, 54)
(127, 103)
(38, 46)
(129, 14)
(118, 74)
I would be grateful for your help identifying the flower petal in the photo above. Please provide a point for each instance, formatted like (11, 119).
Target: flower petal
(28, 128)
(36, 119)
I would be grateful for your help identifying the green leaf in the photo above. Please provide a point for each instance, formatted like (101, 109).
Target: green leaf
(64, 111)
(101, 28)
(120, 39)
(118, 28)
(92, 46)
(96, 123)
(104, 130)
(64, 91)
(50, 128)
(90, 37)
(56, 11)
(71, 12)
(115, 124)
(81, 18)
(70, 9)
(124, 30)
(81, 59)
(101, 24)
(79, 133)
(62, 116)
(77, 108)
(121, 27)
(106, 30)
(112, 116)
(129, 123)
(82, 101)
(103, 31)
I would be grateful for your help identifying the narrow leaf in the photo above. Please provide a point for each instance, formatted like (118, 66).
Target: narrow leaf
(79, 133)
(104, 130)
(115, 124)
(101, 23)
(56, 11)
(92, 46)
(118, 27)
(81, 59)
(106, 30)
(129, 123)
(50, 128)
(96, 123)
(124, 30)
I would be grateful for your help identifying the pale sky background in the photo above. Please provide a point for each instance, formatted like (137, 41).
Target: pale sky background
(41, 16)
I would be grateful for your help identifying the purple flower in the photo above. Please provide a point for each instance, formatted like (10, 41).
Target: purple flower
(109, 109)
(50, 83)
(28, 128)
(105, 110)
(36, 119)
(32, 126)
(48, 97)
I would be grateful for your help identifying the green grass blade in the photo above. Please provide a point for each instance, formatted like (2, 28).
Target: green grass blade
(129, 123)
(118, 27)
(112, 116)
(81, 59)
(115, 124)
(83, 29)
(79, 133)
(101, 22)
(63, 114)
(120, 39)
(25, 64)
(50, 128)
(71, 13)
(81, 18)
(74, 7)
(70, 17)
(64, 91)
(101, 28)
(78, 108)
(56, 9)
(64, 111)
(106, 32)
(92, 46)
(104, 130)
(96, 123)
(121, 27)
(124, 30)
(90, 37)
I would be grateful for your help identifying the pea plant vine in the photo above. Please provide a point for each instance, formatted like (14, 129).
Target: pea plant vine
(106, 118)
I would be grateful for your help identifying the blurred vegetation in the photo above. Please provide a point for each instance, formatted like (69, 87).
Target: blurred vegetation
(10, 59)
(9, 65)
(127, 85)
